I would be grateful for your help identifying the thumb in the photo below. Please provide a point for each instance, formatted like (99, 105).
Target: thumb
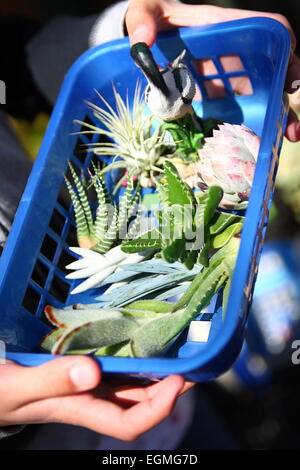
(141, 25)
(20, 385)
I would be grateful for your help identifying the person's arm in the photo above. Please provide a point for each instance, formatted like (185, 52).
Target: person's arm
(145, 18)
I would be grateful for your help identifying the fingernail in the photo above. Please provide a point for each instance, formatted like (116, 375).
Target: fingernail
(83, 377)
(140, 34)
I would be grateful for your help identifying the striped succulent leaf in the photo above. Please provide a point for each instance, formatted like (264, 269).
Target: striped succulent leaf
(81, 190)
(83, 232)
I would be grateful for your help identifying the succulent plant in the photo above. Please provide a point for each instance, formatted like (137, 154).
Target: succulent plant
(141, 328)
(188, 226)
(101, 231)
(228, 160)
(137, 140)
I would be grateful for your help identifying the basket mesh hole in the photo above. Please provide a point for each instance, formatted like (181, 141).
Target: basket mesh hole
(241, 85)
(65, 259)
(64, 198)
(40, 273)
(59, 289)
(80, 150)
(48, 247)
(215, 88)
(205, 67)
(57, 222)
(87, 120)
(231, 63)
(198, 94)
(71, 238)
(31, 300)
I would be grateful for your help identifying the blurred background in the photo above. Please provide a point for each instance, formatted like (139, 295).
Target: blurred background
(254, 405)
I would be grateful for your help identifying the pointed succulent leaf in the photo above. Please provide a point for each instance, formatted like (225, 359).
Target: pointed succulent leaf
(147, 241)
(215, 195)
(139, 289)
(96, 334)
(110, 236)
(220, 240)
(228, 251)
(120, 350)
(150, 339)
(226, 292)
(93, 281)
(50, 339)
(178, 191)
(221, 221)
(71, 318)
(125, 206)
(153, 266)
(83, 198)
(173, 292)
(101, 219)
(172, 252)
(152, 305)
(82, 227)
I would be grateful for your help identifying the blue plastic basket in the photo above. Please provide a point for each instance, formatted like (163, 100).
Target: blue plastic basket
(39, 239)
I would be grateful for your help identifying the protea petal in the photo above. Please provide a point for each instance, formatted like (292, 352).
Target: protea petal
(228, 159)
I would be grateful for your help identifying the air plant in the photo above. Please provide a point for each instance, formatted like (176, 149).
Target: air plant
(137, 140)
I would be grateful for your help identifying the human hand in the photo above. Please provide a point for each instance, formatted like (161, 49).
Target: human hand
(145, 18)
(68, 390)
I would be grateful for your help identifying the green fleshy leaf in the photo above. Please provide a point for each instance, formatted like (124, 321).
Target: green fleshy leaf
(147, 241)
(82, 227)
(71, 318)
(152, 305)
(178, 192)
(215, 195)
(50, 339)
(216, 267)
(221, 221)
(144, 287)
(226, 292)
(151, 339)
(96, 334)
(83, 199)
(101, 220)
(110, 237)
(125, 206)
(223, 238)
(172, 252)
(114, 350)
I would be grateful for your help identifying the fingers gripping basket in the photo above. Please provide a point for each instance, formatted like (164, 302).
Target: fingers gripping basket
(32, 265)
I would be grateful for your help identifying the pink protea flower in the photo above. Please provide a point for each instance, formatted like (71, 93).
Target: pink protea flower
(228, 160)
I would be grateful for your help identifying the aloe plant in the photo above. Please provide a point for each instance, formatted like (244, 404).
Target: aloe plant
(189, 226)
(100, 232)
